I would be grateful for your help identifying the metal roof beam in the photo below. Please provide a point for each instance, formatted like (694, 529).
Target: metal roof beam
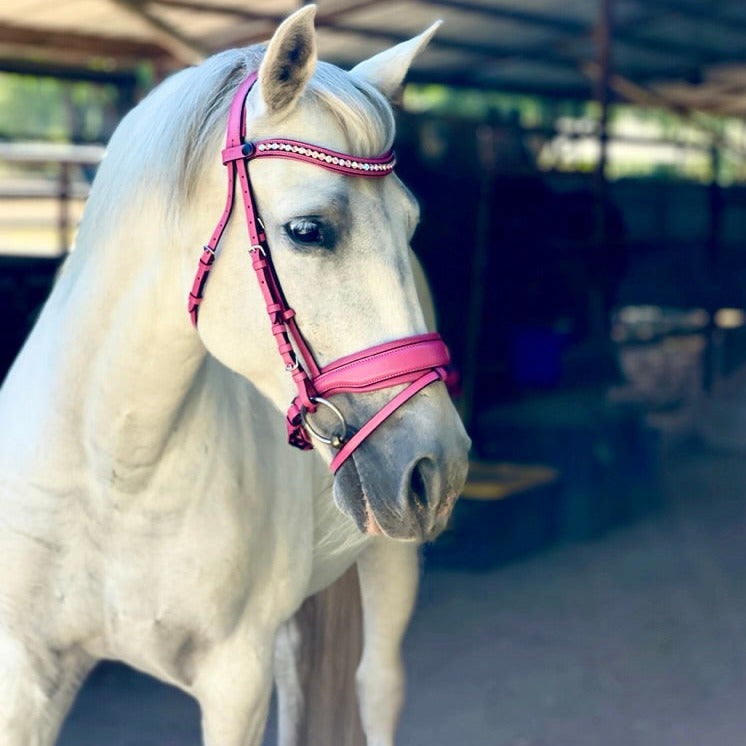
(542, 20)
(699, 13)
(625, 34)
(457, 80)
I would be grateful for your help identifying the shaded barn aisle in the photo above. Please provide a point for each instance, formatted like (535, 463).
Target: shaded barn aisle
(637, 638)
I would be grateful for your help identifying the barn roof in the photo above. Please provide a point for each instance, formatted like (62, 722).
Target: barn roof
(685, 53)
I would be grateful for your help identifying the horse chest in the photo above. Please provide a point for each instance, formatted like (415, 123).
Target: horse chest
(172, 593)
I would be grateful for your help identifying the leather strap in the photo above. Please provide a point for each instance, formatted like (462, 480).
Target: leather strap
(417, 361)
(384, 413)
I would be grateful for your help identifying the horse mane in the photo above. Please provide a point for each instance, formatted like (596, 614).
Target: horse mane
(161, 146)
(361, 111)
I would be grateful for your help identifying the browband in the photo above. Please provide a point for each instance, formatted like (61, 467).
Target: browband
(414, 362)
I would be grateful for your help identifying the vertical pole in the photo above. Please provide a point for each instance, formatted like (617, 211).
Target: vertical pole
(597, 321)
(603, 51)
(63, 221)
(487, 161)
(716, 341)
(716, 205)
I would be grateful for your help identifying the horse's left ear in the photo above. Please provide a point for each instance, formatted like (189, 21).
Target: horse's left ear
(289, 62)
(387, 70)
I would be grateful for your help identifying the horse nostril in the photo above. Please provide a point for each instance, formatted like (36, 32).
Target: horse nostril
(418, 481)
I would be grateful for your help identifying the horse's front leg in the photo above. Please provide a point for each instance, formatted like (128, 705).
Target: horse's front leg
(233, 687)
(36, 690)
(389, 574)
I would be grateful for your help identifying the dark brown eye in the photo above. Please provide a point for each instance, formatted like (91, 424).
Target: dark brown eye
(309, 232)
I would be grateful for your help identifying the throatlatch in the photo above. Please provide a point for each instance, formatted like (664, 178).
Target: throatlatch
(417, 361)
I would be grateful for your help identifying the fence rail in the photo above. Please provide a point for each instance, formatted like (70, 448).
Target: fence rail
(71, 164)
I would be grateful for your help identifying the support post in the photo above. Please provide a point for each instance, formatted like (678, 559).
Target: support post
(596, 310)
(63, 218)
(488, 163)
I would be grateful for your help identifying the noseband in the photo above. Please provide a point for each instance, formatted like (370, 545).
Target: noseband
(415, 361)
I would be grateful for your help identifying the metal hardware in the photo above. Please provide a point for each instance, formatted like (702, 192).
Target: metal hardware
(335, 440)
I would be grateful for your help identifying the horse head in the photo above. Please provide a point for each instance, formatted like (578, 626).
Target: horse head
(340, 253)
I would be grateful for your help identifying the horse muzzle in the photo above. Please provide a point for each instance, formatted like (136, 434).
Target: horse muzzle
(403, 481)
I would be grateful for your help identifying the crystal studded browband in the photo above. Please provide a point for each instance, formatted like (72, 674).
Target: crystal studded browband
(302, 151)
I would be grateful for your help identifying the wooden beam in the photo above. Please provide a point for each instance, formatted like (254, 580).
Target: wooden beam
(245, 14)
(71, 44)
(644, 96)
(66, 70)
(603, 56)
(219, 9)
(331, 21)
(184, 49)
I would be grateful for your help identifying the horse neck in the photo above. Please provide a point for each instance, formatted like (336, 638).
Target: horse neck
(115, 340)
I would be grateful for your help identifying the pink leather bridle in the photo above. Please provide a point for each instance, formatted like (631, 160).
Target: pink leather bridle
(416, 361)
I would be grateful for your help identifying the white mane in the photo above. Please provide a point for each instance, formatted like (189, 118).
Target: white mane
(156, 156)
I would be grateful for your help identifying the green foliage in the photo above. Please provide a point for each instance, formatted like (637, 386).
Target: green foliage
(45, 108)
(563, 135)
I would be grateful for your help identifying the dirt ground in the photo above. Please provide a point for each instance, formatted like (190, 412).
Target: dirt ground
(637, 638)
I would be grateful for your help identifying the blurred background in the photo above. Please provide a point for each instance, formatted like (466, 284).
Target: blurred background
(581, 167)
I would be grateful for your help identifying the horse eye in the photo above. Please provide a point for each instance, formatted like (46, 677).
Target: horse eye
(308, 232)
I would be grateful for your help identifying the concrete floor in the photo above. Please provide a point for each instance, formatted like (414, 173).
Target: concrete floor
(637, 638)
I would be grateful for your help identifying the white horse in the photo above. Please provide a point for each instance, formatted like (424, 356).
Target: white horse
(150, 509)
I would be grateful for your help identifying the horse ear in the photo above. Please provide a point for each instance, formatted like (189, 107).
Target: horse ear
(289, 62)
(387, 70)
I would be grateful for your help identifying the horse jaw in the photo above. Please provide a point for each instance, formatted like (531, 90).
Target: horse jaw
(386, 71)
